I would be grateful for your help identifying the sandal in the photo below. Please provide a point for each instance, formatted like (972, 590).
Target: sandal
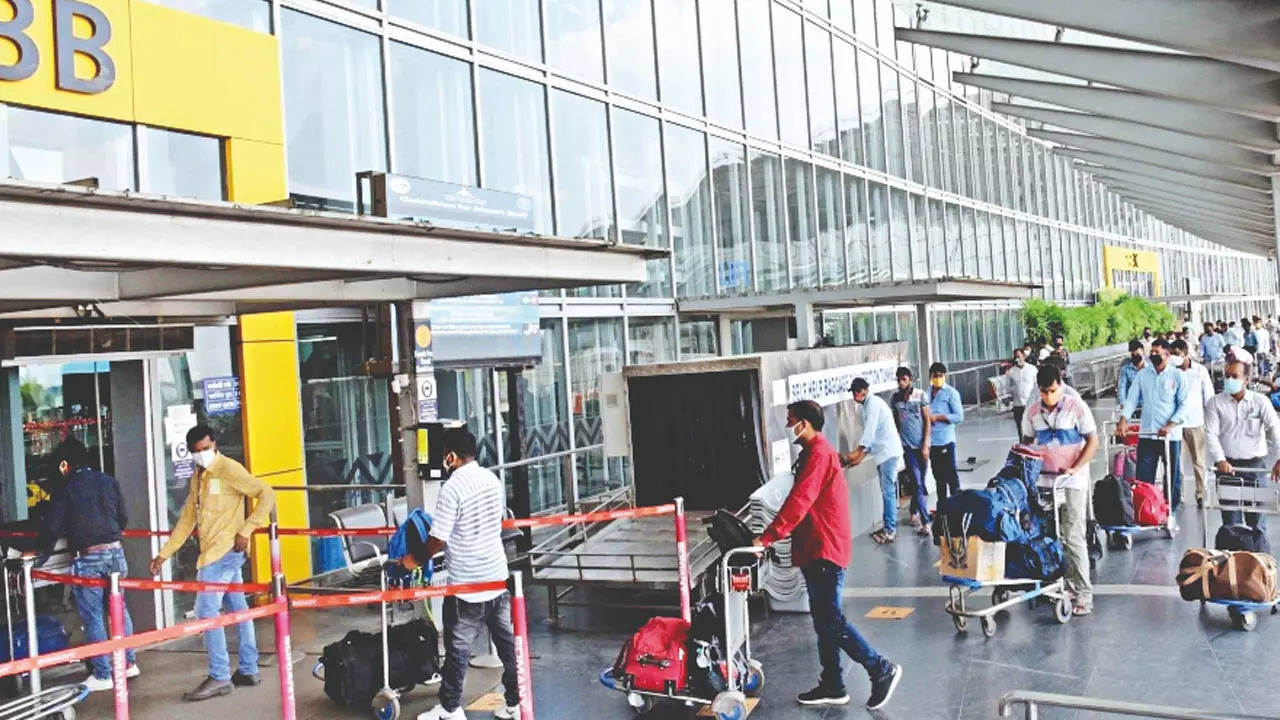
(923, 531)
(886, 538)
(1081, 610)
(878, 536)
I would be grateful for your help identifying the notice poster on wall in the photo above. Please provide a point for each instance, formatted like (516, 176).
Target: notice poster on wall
(493, 329)
(221, 395)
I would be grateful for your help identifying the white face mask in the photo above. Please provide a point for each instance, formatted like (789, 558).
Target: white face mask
(204, 458)
(796, 431)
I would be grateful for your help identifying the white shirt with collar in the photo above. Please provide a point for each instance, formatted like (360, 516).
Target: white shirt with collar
(1023, 384)
(1241, 429)
(1199, 392)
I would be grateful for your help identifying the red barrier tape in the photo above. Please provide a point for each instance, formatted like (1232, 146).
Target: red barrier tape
(141, 584)
(333, 532)
(550, 520)
(406, 594)
(151, 637)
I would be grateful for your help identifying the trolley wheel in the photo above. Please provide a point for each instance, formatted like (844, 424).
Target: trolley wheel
(754, 681)
(988, 626)
(1246, 621)
(386, 705)
(1122, 541)
(730, 705)
(999, 595)
(960, 622)
(1062, 610)
(641, 704)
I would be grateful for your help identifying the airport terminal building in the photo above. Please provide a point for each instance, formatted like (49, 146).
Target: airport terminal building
(179, 234)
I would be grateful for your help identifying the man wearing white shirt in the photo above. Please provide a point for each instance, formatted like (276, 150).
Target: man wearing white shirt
(1199, 392)
(879, 440)
(1022, 385)
(1234, 335)
(1241, 430)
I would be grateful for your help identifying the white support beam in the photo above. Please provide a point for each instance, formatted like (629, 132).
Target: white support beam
(1221, 217)
(173, 282)
(1244, 239)
(1249, 186)
(1217, 152)
(1226, 85)
(1174, 188)
(1151, 156)
(1187, 117)
(44, 282)
(1241, 31)
(1203, 203)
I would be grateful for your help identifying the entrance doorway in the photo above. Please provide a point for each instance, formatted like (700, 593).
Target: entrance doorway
(62, 401)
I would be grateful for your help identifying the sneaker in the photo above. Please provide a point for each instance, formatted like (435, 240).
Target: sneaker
(882, 687)
(822, 696)
(97, 684)
(240, 679)
(435, 679)
(132, 671)
(208, 688)
(507, 712)
(439, 713)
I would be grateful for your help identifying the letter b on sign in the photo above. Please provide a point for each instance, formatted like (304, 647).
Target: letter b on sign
(66, 41)
(13, 32)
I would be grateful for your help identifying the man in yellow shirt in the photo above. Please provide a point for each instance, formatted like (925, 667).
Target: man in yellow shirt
(215, 507)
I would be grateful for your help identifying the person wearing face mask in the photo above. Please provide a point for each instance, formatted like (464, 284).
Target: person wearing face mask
(1129, 370)
(945, 413)
(1241, 429)
(816, 517)
(1212, 345)
(1062, 426)
(879, 440)
(914, 430)
(90, 512)
(1161, 391)
(1234, 335)
(1022, 383)
(220, 491)
(1199, 391)
(467, 526)
(1146, 340)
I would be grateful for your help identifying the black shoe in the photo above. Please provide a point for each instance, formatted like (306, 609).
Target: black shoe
(822, 696)
(208, 688)
(882, 687)
(239, 679)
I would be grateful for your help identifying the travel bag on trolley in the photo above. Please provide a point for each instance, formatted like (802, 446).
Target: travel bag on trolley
(1127, 508)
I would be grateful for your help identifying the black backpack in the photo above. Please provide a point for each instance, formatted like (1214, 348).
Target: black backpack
(727, 531)
(1242, 538)
(353, 665)
(1113, 502)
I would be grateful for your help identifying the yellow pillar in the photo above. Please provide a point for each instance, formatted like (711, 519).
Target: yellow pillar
(272, 418)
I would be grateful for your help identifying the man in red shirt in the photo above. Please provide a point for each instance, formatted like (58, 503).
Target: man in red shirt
(816, 517)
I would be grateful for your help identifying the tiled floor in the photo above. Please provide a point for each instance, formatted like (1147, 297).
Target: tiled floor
(1143, 644)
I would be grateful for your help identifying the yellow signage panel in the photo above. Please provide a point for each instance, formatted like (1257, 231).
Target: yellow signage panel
(1116, 258)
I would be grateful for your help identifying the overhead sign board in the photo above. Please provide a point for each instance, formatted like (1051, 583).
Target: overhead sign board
(830, 386)
(493, 329)
(449, 204)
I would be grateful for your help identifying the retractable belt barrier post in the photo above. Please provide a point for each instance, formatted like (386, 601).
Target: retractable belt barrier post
(119, 673)
(284, 640)
(33, 636)
(682, 562)
(520, 627)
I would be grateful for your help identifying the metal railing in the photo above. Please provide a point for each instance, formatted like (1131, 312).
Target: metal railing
(1032, 701)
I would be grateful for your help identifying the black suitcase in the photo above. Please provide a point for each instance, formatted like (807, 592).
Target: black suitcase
(1242, 537)
(1113, 502)
(353, 665)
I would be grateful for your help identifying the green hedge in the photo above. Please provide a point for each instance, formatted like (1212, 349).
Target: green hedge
(1116, 318)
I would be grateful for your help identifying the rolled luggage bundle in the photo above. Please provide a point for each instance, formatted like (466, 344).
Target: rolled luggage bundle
(1225, 575)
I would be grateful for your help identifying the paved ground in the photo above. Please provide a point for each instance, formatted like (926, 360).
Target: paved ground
(1143, 644)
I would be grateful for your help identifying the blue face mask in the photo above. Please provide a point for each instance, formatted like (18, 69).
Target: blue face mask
(1232, 385)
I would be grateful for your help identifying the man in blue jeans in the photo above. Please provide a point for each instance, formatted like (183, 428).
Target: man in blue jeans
(1161, 391)
(89, 510)
(880, 441)
(914, 429)
(215, 506)
(945, 413)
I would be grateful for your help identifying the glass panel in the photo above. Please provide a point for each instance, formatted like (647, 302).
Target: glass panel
(51, 148)
(842, 14)
(881, 254)
(468, 396)
(983, 236)
(653, 340)
(939, 262)
(720, 62)
(788, 53)
(511, 26)
(546, 428)
(900, 237)
(911, 129)
(680, 76)
(445, 15)
(803, 235)
(729, 183)
(847, 112)
(822, 110)
(872, 122)
(513, 129)
(584, 191)
(946, 340)
(642, 205)
(595, 348)
(697, 338)
(946, 141)
(892, 103)
(333, 108)
(628, 27)
(573, 37)
(757, 64)
(830, 227)
(689, 193)
(960, 145)
(768, 208)
(864, 20)
(181, 165)
(855, 230)
(919, 238)
(969, 241)
(252, 14)
(434, 126)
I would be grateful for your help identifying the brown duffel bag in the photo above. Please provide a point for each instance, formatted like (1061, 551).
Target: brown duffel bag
(1214, 574)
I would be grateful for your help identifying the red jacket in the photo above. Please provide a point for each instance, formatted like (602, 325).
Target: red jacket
(816, 512)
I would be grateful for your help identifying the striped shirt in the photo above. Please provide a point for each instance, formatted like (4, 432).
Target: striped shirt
(468, 518)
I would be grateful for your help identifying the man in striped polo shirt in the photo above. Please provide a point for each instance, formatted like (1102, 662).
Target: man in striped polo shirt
(467, 525)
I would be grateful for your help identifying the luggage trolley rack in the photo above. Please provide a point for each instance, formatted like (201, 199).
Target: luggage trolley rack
(744, 676)
(1013, 591)
(1121, 537)
(1237, 493)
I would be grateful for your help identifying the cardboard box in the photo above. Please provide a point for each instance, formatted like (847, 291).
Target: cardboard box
(972, 558)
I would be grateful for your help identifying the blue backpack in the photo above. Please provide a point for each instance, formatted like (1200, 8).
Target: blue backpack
(398, 546)
(989, 514)
(1038, 559)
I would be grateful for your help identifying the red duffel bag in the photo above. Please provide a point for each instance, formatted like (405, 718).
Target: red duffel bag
(655, 659)
(1149, 505)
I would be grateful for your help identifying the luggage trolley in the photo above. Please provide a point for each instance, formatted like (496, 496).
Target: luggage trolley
(1234, 492)
(744, 676)
(1013, 591)
(1121, 537)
